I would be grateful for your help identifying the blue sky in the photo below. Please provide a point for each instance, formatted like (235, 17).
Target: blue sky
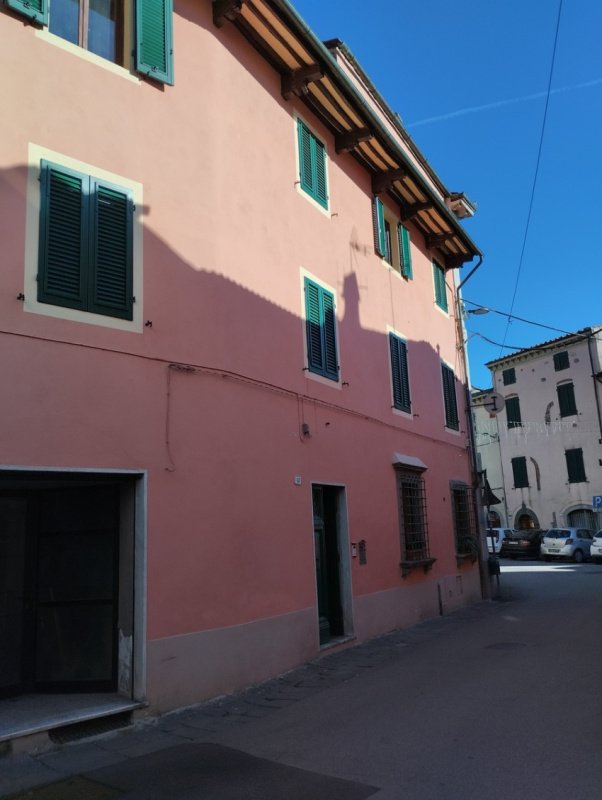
(469, 80)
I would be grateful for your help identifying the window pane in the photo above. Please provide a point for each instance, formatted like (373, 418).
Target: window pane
(102, 28)
(64, 19)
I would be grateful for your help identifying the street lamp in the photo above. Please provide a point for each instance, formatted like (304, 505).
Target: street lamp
(478, 311)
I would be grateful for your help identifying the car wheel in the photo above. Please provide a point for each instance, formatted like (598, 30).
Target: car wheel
(578, 556)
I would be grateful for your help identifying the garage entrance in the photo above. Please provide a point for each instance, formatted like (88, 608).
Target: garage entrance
(66, 583)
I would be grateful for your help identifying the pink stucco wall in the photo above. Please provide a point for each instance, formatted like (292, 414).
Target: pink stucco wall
(226, 235)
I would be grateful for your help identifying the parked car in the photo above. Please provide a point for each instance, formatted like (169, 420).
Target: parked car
(596, 549)
(497, 535)
(572, 543)
(522, 543)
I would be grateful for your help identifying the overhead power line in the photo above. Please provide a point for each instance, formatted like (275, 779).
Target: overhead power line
(519, 319)
(539, 150)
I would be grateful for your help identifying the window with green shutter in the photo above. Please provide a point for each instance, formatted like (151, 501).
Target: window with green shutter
(449, 398)
(98, 26)
(312, 164)
(85, 250)
(513, 416)
(519, 472)
(575, 466)
(566, 399)
(35, 10)
(509, 376)
(440, 287)
(399, 373)
(378, 227)
(320, 327)
(561, 360)
(405, 254)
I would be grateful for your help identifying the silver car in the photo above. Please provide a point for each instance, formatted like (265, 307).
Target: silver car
(572, 543)
(596, 551)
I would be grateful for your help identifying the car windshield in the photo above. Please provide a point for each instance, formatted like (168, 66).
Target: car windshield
(558, 534)
(598, 535)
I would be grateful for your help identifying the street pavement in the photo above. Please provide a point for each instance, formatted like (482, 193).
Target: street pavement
(497, 700)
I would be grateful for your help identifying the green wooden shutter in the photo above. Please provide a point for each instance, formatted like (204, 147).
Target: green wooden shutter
(440, 288)
(519, 472)
(305, 170)
(110, 289)
(36, 10)
(64, 219)
(513, 416)
(378, 223)
(566, 399)
(331, 367)
(315, 356)
(509, 376)
(449, 398)
(154, 39)
(405, 255)
(321, 193)
(575, 466)
(320, 326)
(561, 360)
(399, 373)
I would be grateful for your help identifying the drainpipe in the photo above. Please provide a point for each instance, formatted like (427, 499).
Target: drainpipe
(595, 380)
(486, 583)
(591, 361)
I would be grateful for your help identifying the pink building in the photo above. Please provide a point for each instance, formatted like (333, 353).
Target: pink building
(234, 427)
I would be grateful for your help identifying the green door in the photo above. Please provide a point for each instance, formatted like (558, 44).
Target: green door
(330, 611)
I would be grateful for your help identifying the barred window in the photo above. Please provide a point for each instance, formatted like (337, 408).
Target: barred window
(412, 516)
(464, 517)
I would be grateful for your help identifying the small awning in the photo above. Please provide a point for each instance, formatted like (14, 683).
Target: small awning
(401, 460)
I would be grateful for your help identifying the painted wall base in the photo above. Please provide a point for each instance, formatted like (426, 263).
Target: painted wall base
(184, 670)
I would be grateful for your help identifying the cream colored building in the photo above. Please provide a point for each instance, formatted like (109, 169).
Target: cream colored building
(548, 465)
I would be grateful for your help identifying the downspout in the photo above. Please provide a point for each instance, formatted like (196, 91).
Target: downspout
(591, 361)
(483, 552)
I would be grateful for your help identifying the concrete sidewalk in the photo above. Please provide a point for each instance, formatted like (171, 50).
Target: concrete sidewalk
(494, 701)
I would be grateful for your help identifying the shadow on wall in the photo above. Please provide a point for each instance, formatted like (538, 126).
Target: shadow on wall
(197, 317)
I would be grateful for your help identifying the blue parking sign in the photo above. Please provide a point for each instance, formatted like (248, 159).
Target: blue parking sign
(597, 502)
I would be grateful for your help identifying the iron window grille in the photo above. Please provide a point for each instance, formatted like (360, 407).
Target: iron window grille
(412, 516)
(464, 517)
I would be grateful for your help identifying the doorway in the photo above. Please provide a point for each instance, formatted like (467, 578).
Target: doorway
(332, 566)
(61, 584)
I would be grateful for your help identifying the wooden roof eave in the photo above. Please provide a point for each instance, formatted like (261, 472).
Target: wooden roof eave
(284, 54)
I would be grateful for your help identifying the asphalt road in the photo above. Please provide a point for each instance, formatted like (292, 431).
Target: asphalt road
(500, 700)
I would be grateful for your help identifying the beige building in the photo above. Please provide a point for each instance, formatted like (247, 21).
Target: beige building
(543, 452)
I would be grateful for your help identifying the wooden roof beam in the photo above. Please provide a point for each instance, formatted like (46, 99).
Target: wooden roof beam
(348, 140)
(296, 81)
(226, 10)
(382, 181)
(456, 261)
(437, 239)
(407, 212)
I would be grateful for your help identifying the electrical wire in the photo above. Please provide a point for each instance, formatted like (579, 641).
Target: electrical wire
(519, 319)
(541, 138)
